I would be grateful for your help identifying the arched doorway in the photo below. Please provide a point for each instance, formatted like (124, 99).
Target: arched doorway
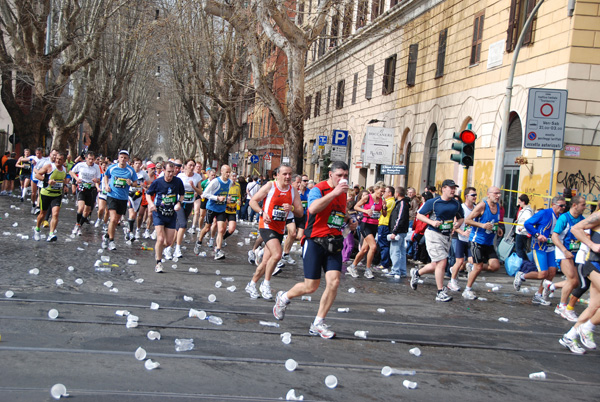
(514, 143)
(430, 160)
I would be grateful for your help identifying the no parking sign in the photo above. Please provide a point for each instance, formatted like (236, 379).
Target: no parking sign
(546, 114)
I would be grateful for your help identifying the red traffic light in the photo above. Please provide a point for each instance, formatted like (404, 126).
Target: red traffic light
(467, 136)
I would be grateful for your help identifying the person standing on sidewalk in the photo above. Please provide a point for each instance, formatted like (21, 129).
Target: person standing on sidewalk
(442, 210)
(321, 246)
(398, 226)
(521, 236)
(383, 229)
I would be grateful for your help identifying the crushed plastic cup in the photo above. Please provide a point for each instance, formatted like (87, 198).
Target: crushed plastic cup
(122, 313)
(184, 345)
(247, 240)
(269, 324)
(132, 317)
(409, 384)
(153, 335)
(53, 314)
(34, 271)
(503, 319)
(495, 289)
(343, 310)
(538, 376)
(331, 381)
(193, 270)
(15, 224)
(351, 290)
(154, 306)
(286, 338)
(388, 371)
(174, 266)
(482, 299)
(232, 288)
(151, 365)
(201, 314)
(131, 324)
(202, 254)
(218, 284)
(59, 282)
(213, 319)
(291, 364)
(131, 262)
(114, 290)
(139, 280)
(58, 391)
(381, 310)
(140, 353)
(175, 259)
(108, 284)
(71, 268)
(291, 396)
(415, 352)
(105, 258)
(218, 272)
(79, 281)
(188, 298)
(212, 298)
(361, 334)
(240, 244)
(227, 279)
(100, 251)
(9, 294)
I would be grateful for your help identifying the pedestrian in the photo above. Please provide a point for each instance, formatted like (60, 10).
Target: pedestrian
(398, 227)
(243, 184)
(321, 247)
(9, 167)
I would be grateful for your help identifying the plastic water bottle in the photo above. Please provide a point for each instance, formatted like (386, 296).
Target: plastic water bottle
(183, 345)
(215, 320)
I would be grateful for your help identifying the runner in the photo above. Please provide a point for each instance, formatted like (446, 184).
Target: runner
(191, 182)
(24, 163)
(10, 174)
(203, 203)
(281, 202)
(168, 191)
(144, 219)
(197, 200)
(102, 196)
(461, 244)
(53, 176)
(484, 219)
(443, 209)
(321, 247)
(34, 181)
(87, 176)
(117, 180)
(134, 201)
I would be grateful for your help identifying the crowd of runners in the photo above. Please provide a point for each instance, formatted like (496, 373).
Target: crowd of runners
(333, 222)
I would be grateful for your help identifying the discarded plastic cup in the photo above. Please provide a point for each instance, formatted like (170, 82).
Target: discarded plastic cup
(140, 353)
(71, 268)
(215, 320)
(503, 319)
(351, 290)
(175, 259)
(174, 266)
(153, 335)
(212, 298)
(9, 294)
(218, 272)
(269, 324)
(122, 313)
(201, 314)
(183, 345)
(286, 339)
(58, 391)
(291, 396)
(361, 334)
(108, 284)
(388, 371)
(232, 288)
(139, 280)
(53, 314)
(114, 290)
(34, 271)
(228, 279)
(154, 306)
(381, 310)
(131, 262)
(132, 317)
(59, 282)
(79, 281)
(247, 240)
(218, 284)
(409, 384)
(331, 381)
(188, 298)
(131, 324)
(538, 376)
(105, 258)
(343, 310)
(151, 365)
(291, 364)
(193, 270)
(415, 352)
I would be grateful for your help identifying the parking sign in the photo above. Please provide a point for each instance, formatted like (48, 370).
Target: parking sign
(340, 138)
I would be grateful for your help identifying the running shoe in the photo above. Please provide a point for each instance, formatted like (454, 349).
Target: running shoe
(219, 255)
(572, 345)
(469, 295)
(453, 285)
(414, 278)
(112, 245)
(569, 315)
(546, 288)
(279, 307)
(32, 210)
(51, 237)
(138, 234)
(75, 230)
(105, 241)
(286, 258)
(518, 281)
(197, 248)
(265, 291)
(259, 256)
(98, 222)
(586, 337)
(158, 268)
(538, 299)
(36, 234)
(442, 296)
(369, 273)
(168, 253)
(251, 257)
(278, 268)
(211, 242)
(251, 290)
(153, 235)
(177, 253)
(351, 270)
(322, 330)
(146, 234)
(191, 230)
(45, 223)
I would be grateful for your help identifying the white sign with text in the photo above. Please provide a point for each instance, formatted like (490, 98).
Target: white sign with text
(379, 145)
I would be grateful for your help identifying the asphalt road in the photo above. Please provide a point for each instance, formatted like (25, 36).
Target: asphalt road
(467, 353)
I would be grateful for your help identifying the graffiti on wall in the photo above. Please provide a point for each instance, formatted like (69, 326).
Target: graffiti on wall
(583, 183)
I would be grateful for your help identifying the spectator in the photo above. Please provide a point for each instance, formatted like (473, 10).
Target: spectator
(521, 239)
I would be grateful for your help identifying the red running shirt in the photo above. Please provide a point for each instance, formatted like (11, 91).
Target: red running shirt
(331, 219)
(273, 207)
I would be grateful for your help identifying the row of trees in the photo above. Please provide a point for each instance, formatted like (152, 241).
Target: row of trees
(105, 62)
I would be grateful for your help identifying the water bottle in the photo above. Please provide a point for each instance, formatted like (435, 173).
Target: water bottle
(343, 310)
(183, 345)
(345, 230)
(269, 324)
(215, 320)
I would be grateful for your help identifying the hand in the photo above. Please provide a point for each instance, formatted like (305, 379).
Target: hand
(341, 189)
(177, 207)
(266, 218)
(369, 212)
(488, 226)
(287, 207)
(436, 224)
(568, 254)
(542, 239)
(393, 236)
(107, 189)
(51, 182)
(152, 207)
(128, 182)
(221, 198)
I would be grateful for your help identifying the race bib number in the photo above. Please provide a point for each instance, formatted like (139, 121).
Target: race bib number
(376, 214)
(446, 226)
(495, 228)
(549, 241)
(57, 186)
(222, 202)
(279, 214)
(574, 245)
(188, 196)
(120, 182)
(304, 204)
(336, 220)
(87, 186)
(169, 200)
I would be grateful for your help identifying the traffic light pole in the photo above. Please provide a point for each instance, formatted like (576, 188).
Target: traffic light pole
(464, 181)
(506, 115)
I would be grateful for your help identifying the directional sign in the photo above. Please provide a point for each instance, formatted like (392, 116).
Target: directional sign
(254, 159)
(393, 169)
(322, 141)
(546, 114)
(340, 138)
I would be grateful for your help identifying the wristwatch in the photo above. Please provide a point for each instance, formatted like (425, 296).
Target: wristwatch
(536, 235)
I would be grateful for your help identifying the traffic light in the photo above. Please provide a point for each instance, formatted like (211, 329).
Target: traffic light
(465, 145)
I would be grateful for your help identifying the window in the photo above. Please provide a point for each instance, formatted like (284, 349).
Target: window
(369, 86)
(317, 104)
(335, 30)
(307, 106)
(300, 12)
(322, 42)
(389, 75)
(347, 23)
(439, 71)
(411, 73)
(354, 88)
(519, 11)
(339, 98)
(361, 16)
(394, 2)
(377, 8)
(477, 38)
(328, 99)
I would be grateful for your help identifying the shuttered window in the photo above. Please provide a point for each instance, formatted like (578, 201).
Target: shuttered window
(307, 106)
(477, 38)
(389, 75)
(369, 86)
(411, 74)
(328, 99)
(317, 104)
(354, 88)
(441, 59)
(519, 12)
(361, 15)
(339, 98)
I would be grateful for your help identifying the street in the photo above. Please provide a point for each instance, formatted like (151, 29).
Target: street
(467, 353)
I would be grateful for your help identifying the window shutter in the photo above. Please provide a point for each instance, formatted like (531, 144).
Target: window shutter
(528, 36)
(510, 33)
(441, 54)
(369, 89)
(412, 64)
(354, 88)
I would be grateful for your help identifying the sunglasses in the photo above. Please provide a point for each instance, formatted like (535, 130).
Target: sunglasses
(472, 195)
(305, 180)
(561, 205)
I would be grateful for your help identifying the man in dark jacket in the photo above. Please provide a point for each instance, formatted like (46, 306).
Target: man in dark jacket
(398, 228)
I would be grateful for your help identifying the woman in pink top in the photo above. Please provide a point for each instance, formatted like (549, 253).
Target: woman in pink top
(372, 207)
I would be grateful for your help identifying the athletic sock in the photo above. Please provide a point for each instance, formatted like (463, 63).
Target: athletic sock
(24, 192)
(266, 282)
(79, 218)
(284, 298)
(227, 234)
(569, 307)
(572, 334)
(131, 224)
(588, 326)
(318, 320)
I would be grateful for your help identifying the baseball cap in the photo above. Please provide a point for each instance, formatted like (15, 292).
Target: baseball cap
(449, 183)
(150, 165)
(123, 152)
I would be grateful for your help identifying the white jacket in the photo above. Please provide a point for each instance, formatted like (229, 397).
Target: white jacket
(525, 213)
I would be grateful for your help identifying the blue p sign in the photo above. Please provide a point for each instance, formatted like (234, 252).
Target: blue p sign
(340, 138)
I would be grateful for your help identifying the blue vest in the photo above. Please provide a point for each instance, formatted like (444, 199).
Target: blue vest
(223, 190)
(482, 236)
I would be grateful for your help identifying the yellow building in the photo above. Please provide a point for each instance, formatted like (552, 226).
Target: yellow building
(428, 68)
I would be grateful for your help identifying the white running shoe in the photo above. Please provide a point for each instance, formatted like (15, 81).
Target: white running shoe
(453, 285)
(288, 259)
(251, 290)
(75, 230)
(280, 306)
(219, 255)
(265, 291)
(158, 268)
(105, 242)
(211, 242)
(177, 253)
(369, 273)
(36, 235)
(546, 289)
(351, 270)
(168, 253)
(321, 329)
(138, 234)
(586, 337)
(112, 245)
(569, 315)
(98, 222)
(469, 295)
(147, 234)
(572, 345)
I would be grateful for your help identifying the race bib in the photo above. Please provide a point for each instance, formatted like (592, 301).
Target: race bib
(169, 200)
(304, 204)
(376, 214)
(87, 186)
(222, 202)
(574, 245)
(446, 226)
(57, 186)
(188, 196)
(336, 220)
(278, 213)
(120, 182)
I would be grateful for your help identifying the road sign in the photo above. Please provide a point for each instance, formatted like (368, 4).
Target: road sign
(254, 159)
(393, 169)
(546, 114)
(322, 141)
(235, 157)
(340, 138)
(338, 153)
(267, 157)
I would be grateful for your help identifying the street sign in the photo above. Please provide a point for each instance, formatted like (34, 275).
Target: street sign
(393, 169)
(546, 114)
(322, 140)
(338, 153)
(267, 157)
(340, 138)
(254, 159)
(235, 158)
(379, 145)
(285, 159)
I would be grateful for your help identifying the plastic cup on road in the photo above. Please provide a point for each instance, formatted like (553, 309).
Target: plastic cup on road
(247, 240)
(59, 282)
(34, 271)
(381, 310)
(218, 284)
(58, 391)
(331, 381)
(151, 365)
(538, 376)
(361, 334)
(415, 352)
(154, 306)
(291, 364)
(188, 298)
(53, 314)
(79, 281)
(140, 353)
(212, 298)
(71, 268)
(154, 335)
(9, 294)
(409, 384)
